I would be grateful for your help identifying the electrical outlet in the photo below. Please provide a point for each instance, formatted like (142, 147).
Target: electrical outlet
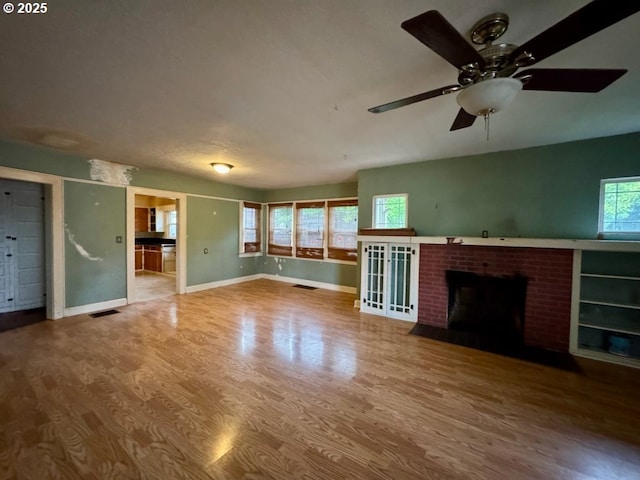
(118, 239)
(206, 250)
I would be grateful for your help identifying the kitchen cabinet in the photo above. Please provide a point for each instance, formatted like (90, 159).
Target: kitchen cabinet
(152, 258)
(142, 219)
(138, 257)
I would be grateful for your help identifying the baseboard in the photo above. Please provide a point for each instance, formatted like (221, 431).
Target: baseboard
(223, 283)
(94, 307)
(311, 283)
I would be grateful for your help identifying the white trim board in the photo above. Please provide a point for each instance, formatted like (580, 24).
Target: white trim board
(571, 244)
(94, 307)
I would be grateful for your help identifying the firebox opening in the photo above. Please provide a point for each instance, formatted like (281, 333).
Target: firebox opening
(487, 305)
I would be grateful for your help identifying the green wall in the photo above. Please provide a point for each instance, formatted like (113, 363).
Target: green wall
(543, 192)
(39, 159)
(95, 265)
(215, 225)
(315, 192)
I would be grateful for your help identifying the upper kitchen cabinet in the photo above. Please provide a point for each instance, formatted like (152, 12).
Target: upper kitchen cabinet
(153, 213)
(142, 219)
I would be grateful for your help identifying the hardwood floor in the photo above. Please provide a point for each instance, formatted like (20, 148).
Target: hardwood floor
(262, 380)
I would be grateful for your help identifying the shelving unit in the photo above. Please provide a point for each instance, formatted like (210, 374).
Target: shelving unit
(608, 306)
(152, 219)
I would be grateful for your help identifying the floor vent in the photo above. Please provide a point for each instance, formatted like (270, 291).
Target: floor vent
(103, 314)
(306, 287)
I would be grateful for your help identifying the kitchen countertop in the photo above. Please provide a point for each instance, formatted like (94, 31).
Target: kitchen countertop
(165, 242)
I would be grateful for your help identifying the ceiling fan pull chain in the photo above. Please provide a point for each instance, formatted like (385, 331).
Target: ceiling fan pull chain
(487, 124)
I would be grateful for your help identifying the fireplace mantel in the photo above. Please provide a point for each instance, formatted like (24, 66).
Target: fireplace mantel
(560, 243)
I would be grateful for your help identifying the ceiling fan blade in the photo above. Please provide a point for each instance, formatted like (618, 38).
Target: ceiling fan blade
(415, 98)
(432, 29)
(588, 80)
(463, 120)
(593, 17)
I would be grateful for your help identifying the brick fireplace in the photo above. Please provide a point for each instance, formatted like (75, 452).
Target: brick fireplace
(548, 296)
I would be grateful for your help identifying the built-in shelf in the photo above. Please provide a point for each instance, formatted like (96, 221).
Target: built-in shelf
(616, 277)
(614, 325)
(607, 306)
(610, 304)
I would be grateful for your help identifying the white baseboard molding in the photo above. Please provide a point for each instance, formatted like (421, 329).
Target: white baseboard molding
(311, 283)
(223, 283)
(94, 307)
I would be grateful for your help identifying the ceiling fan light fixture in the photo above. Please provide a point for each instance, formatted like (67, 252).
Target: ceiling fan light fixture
(222, 168)
(489, 96)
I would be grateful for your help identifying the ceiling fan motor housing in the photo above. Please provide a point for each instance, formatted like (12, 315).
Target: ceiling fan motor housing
(497, 64)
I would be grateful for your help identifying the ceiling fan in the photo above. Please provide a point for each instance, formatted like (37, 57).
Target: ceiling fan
(487, 78)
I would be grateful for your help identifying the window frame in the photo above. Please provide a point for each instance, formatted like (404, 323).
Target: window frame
(274, 248)
(341, 253)
(164, 212)
(317, 253)
(389, 195)
(251, 248)
(603, 183)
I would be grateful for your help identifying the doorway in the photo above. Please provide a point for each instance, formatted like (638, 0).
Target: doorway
(22, 253)
(154, 230)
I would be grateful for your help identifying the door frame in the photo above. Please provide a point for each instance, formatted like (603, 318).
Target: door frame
(181, 239)
(53, 234)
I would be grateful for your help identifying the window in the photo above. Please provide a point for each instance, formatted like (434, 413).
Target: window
(310, 230)
(390, 211)
(251, 227)
(318, 230)
(171, 223)
(343, 229)
(620, 205)
(280, 229)
(166, 218)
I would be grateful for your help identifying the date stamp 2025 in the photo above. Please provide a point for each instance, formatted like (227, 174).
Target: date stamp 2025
(25, 8)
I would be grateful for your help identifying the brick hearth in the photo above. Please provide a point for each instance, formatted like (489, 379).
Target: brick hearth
(548, 303)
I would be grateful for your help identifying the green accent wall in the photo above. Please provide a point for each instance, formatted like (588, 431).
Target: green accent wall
(314, 192)
(543, 192)
(215, 225)
(317, 271)
(94, 215)
(39, 159)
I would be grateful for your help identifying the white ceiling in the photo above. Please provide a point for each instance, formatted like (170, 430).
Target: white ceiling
(280, 89)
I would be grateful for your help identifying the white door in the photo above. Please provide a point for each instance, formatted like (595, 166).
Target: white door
(389, 280)
(6, 263)
(22, 275)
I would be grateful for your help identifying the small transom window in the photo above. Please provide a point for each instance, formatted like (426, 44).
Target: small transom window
(620, 205)
(390, 211)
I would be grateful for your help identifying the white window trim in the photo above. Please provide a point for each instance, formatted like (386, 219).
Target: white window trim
(388, 195)
(601, 230)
